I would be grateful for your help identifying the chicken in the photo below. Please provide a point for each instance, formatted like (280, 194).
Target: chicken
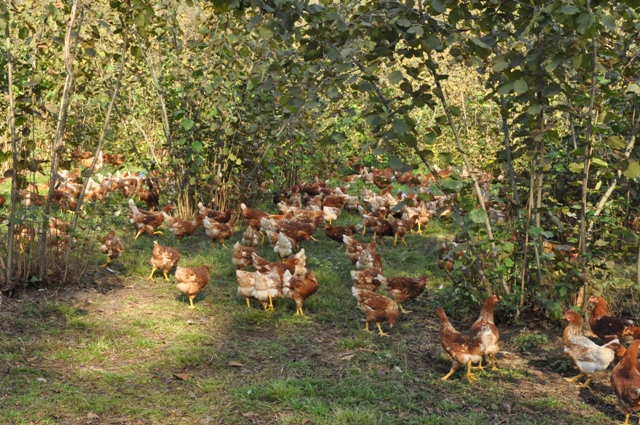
(191, 280)
(424, 215)
(163, 258)
(252, 216)
(295, 265)
(631, 332)
(285, 246)
(403, 289)
(241, 255)
(181, 228)
(221, 217)
(382, 227)
(462, 349)
(625, 380)
(484, 330)
(619, 351)
(368, 279)
(585, 354)
(251, 237)
(146, 221)
(299, 288)
(216, 231)
(23, 234)
(112, 246)
(246, 284)
(401, 227)
(267, 287)
(337, 233)
(150, 195)
(354, 248)
(369, 258)
(377, 308)
(331, 213)
(606, 327)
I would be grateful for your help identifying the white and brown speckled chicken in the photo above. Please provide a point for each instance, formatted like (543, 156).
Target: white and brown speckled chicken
(246, 284)
(403, 289)
(369, 258)
(267, 287)
(191, 280)
(217, 231)
(377, 308)
(163, 258)
(241, 256)
(353, 248)
(285, 246)
(112, 246)
(251, 237)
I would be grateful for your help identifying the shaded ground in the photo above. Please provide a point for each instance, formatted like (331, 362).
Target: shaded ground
(125, 350)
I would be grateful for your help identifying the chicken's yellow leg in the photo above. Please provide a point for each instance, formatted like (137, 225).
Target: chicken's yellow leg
(380, 329)
(301, 312)
(395, 240)
(480, 365)
(470, 376)
(138, 234)
(403, 310)
(404, 242)
(191, 306)
(451, 372)
(419, 229)
(493, 363)
(248, 302)
(366, 327)
(157, 233)
(364, 230)
(586, 383)
(270, 302)
(574, 378)
(107, 263)
(165, 275)
(152, 272)
(626, 419)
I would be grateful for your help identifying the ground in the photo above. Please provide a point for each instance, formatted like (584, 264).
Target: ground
(121, 349)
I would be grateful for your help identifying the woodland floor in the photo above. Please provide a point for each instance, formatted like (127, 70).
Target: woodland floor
(121, 349)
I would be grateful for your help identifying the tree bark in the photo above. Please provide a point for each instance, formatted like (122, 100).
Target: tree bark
(60, 129)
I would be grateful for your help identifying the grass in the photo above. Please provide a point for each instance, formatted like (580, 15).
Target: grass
(118, 348)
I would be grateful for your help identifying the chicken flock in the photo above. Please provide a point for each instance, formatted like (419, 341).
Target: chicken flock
(303, 209)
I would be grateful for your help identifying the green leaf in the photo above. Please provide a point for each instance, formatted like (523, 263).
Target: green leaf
(395, 77)
(576, 168)
(430, 138)
(599, 162)
(438, 6)
(520, 86)
(480, 43)
(417, 30)
(633, 88)
(534, 109)
(508, 262)
(632, 171)
(584, 21)
(136, 51)
(478, 216)
(616, 142)
(265, 32)
(186, 124)
(500, 65)
(455, 111)
(404, 22)
(196, 146)
(332, 92)
(395, 163)
(400, 127)
(569, 9)
(373, 120)
(608, 21)
(505, 88)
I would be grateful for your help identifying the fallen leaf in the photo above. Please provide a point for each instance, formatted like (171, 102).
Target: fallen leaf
(348, 356)
(182, 376)
(250, 415)
(92, 415)
(235, 364)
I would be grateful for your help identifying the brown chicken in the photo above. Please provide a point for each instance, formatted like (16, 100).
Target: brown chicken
(337, 233)
(403, 289)
(191, 280)
(241, 256)
(631, 332)
(221, 217)
(368, 279)
(217, 231)
(147, 221)
(150, 195)
(484, 330)
(463, 349)
(295, 264)
(353, 248)
(112, 246)
(401, 227)
(625, 380)
(588, 357)
(377, 308)
(606, 327)
(181, 228)
(163, 258)
(299, 288)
